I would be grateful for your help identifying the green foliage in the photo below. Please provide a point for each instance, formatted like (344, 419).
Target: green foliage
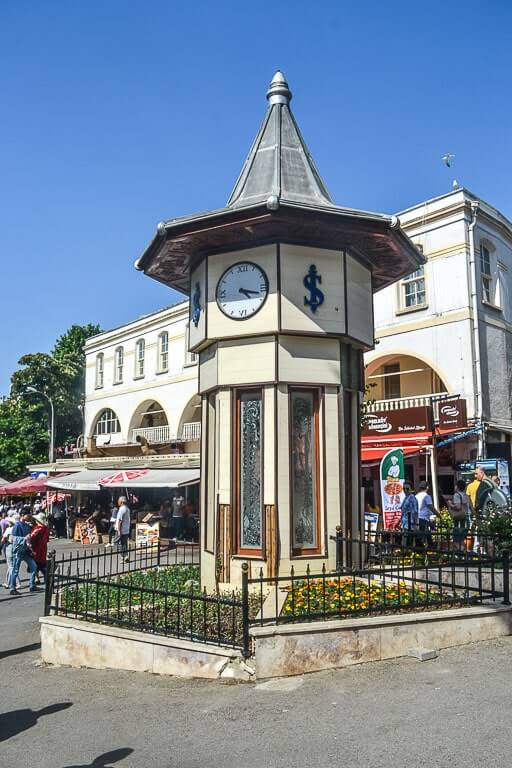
(24, 418)
(167, 601)
(497, 521)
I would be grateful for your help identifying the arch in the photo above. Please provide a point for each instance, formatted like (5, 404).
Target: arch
(150, 415)
(106, 422)
(429, 377)
(191, 414)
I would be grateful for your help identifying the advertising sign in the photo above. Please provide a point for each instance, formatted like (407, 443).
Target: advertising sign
(452, 414)
(400, 422)
(504, 477)
(392, 478)
(147, 535)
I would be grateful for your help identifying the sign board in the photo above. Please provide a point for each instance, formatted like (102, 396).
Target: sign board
(147, 535)
(85, 532)
(504, 476)
(452, 414)
(392, 478)
(400, 422)
(371, 521)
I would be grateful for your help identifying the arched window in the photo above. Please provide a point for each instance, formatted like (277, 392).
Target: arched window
(118, 365)
(107, 423)
(163, 352)
(99, 370)
(140, 353)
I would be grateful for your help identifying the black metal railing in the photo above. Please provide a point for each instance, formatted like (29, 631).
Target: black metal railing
(154, 590)
(381, 582)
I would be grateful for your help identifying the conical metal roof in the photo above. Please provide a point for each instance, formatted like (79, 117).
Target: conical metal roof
(279, 166)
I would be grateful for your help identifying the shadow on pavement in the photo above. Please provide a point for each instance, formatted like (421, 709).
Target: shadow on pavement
(19, 720)
(21, 649)
(106, 760)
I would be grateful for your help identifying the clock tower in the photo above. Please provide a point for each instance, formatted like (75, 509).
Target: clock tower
(280, 282)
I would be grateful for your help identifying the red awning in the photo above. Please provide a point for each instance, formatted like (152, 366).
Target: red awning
(25, 486)
(374, 448)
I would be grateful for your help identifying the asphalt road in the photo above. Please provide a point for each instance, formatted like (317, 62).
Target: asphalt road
(450, 712)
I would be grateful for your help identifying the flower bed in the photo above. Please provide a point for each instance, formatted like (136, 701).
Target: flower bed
(315, 598)
(165, 601)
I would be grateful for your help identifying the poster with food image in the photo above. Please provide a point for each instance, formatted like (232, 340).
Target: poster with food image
(147, 535)
(392, 478)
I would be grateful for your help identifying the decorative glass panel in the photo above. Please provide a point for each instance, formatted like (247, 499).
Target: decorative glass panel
(250, 470)
(303, 470)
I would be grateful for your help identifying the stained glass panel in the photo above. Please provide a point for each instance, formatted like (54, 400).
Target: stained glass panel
(304, 462)
(250, 470)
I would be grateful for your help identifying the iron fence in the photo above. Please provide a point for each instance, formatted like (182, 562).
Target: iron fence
(380, 583)
(153, 590)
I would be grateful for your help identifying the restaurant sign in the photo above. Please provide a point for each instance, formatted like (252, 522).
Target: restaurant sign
(399, 422)
(452, 414)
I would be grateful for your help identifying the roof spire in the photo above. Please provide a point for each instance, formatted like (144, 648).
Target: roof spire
(279, 167)
(278, 92)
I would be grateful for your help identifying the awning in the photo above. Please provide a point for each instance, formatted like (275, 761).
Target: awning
(86, 480)
(150, 478)
(376, 454)
(374, 448)
(25, 486)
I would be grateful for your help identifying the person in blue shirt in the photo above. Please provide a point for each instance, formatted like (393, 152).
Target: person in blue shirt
(409, 510)
(22, 553)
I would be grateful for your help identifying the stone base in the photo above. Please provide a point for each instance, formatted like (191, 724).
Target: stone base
(293, 649)
(84, 644)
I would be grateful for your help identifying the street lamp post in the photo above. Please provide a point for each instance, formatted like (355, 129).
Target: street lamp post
(51, 449)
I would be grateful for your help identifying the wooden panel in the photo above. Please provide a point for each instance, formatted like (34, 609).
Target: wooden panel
(224, 547)
(271, 540)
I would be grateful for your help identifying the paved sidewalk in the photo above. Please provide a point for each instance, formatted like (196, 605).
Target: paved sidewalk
(453, 712)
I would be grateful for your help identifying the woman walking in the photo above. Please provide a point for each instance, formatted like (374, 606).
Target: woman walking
(39, 540)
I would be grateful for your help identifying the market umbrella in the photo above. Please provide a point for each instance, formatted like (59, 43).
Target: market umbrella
(123, 477)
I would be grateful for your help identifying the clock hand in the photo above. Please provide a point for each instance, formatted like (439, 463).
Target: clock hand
(247, 292)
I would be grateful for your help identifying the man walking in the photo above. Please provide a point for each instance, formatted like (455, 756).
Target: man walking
(123, 524)
(409, 510)
(22, 553)
(484, 491)
(425, 510)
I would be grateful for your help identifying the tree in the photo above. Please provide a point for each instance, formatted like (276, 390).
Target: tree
(24, 417)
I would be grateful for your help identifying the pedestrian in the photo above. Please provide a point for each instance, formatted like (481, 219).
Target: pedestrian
(39, 541)
(59, 521)
(123, 524)
(425, 510)
(6, 539)
(485, 489)
(460, 509)
(4, 524)
(22, 553)
(472, 489)
(409, 518)
(112, 525)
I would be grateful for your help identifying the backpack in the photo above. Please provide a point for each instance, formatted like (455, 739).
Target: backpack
(462, 511)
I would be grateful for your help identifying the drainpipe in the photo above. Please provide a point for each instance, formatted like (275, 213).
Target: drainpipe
(477, 370)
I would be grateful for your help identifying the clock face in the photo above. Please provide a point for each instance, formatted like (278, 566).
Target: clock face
(242, 290)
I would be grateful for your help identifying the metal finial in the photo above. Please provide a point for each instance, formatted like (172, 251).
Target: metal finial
(278, 92)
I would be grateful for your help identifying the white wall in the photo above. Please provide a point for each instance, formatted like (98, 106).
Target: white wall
(173, 389)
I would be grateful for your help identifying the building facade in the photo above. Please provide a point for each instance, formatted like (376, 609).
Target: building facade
(141, 382)
(447, 328)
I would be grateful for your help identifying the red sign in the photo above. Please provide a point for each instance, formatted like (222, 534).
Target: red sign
(400, 422)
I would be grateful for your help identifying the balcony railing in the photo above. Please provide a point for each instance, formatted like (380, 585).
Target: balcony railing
(397, 403)
(154, 434)
(191, 431)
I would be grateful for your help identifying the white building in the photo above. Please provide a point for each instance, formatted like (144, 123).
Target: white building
(447, 328)
(142, 381)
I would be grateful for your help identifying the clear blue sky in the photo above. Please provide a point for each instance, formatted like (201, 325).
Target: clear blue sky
(117, 114)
